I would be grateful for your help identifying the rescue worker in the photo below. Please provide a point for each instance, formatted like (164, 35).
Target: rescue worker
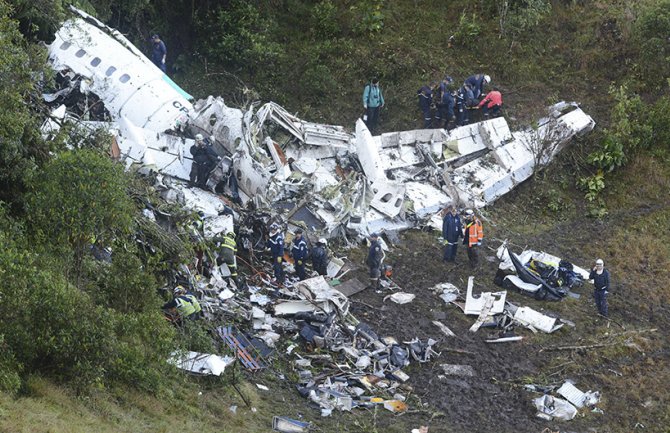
(452, 230)
(275, 244)
(228, 253)
(601, 281)
(320, 257)
(299, 254)
(374, 261)
(445, 103)
(158, 52)
(425, 94)
(204, 160)
(492, 103)
(465, 100)
(476, 83)
(183, 305)
(373, 102)
(472, 236)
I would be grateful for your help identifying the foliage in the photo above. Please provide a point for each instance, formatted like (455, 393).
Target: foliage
(324, 14)
(519, 16)
(80, 198)
(368, 16)
(650, 34)
(468, 29)
(21, 147)
(237, 35)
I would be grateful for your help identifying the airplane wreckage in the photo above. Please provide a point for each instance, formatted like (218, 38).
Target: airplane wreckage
(276, 167)
(321, 177)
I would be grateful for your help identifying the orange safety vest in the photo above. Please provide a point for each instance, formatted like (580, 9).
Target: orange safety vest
(476, 233)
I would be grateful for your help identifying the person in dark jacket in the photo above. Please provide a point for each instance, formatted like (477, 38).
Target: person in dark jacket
(158, 52)
(374, 261)
(425, 94)
(476, 83)
(320, 257)
(204, 161)
(452, 230)
(601, 281)
(465, 100)
(299, 253)
(276, 245)
(445, 103)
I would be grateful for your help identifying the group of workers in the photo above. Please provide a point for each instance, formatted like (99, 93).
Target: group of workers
(299, 252)
(453, 229)
(440, 104)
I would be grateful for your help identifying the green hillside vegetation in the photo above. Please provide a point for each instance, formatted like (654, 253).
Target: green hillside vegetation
(84, 342)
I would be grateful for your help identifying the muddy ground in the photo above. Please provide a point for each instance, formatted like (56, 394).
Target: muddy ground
(494, 400)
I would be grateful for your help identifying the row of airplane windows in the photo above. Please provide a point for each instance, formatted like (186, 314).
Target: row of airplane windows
(95, 62)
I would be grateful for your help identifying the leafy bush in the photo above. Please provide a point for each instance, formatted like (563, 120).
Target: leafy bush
(468, 29)
(368, 16)
(650, 32)
(519, 16)
(79, 198)
(324, 14)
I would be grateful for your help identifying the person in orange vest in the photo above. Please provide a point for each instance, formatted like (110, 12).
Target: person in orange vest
(473, 233)
(492, 103)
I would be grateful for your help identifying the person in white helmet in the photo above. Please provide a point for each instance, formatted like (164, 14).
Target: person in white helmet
(320, 257)
(204, 160)
(476, 83)
(601, 281)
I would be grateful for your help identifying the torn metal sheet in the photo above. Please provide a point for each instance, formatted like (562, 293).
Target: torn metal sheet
(474, 306)
(368, 154)
(219, 224)
(388, 198)
(549, 407)
(505, 339)
(444, 328)
(287, 425)
(201, 363)
(529, 317)
(577, 397)
(518, 283)
(318, 290)
(128, 83)
(401, 297)
(215, 118)
(351, 287)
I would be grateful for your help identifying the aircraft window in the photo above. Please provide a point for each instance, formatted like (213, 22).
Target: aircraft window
(110, 71)
(95, 62)
(65, 45)
(80, 53)
(124, 78)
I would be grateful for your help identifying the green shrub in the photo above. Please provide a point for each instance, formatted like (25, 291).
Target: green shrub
(79, 198)
(650, 33)
(324, 14)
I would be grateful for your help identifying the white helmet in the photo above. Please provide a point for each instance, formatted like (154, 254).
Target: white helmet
(469, 212)
(199, 137)
(487, 79)
(323, 241)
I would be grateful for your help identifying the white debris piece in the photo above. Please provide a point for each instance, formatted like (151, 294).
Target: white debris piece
(549, 407)
(401, 297)
(531, 318)
(474, 306)
(201, 363)
(577, 397)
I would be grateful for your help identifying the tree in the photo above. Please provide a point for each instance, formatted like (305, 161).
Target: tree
(79, 199)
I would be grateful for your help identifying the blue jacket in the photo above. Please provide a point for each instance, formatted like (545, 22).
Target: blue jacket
(158, 52)
(299, 249)
(452, 228)
(476, 83)
(372, 96)
(465, 97)
(446, 98)
(320, 259)
(602, 281)
(425, 98)
(276, 245)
